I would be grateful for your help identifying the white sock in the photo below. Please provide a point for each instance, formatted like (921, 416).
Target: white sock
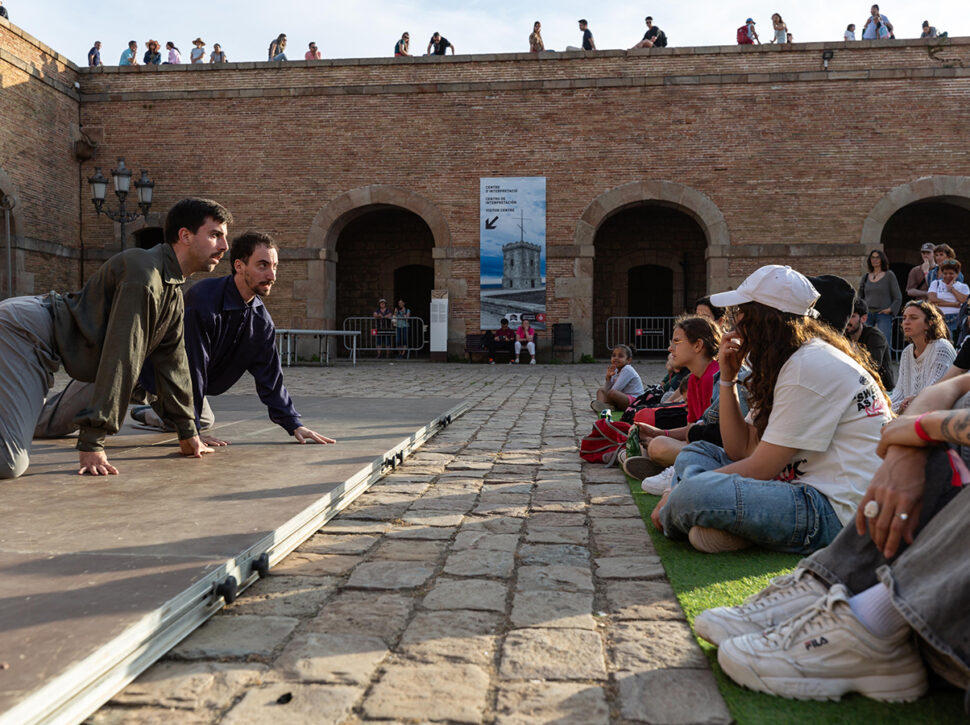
(874, 608)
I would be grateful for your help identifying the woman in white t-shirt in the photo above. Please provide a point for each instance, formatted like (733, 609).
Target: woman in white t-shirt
(926, 358)
(623, 384)
(948, 294)
(791, 474)
(197, 55)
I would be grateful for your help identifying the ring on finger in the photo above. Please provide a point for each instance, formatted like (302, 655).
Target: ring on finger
(904, 516)
(871, 510)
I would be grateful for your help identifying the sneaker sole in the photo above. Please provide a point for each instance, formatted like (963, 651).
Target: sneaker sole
(903, 687)
(710, 629)
(640, 467)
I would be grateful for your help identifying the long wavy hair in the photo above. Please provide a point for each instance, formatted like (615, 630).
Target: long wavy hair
(935, 326)
(770, 337)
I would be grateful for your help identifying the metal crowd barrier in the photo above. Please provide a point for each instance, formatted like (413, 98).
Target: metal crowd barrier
(382, 335)
(287, 350)
(642, 334)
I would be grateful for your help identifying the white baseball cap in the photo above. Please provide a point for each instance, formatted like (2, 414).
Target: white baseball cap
(774, 286)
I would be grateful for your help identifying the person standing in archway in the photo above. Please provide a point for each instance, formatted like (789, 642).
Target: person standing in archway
(880, 291)
(382, 327)
(401, 316)
(917, 286)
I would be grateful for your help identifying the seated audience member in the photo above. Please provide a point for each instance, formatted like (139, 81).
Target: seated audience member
(673, 381)
(874, 342)
(499, 340)
(693, 346)
(704, 308)
(525, 333)
(948, 293)
(941, 253)
(623, 384)
(790, 474)
(899, 571)
(926, 358)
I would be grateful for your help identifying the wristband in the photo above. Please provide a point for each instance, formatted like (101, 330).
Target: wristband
(727, 383)
(920, 431)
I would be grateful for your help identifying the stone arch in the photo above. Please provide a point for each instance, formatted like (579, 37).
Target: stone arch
(331, 220)
(953, 189)
(8, 190)
(695, 204)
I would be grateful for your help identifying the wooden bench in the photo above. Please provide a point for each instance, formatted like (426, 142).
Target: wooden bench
(474, 346)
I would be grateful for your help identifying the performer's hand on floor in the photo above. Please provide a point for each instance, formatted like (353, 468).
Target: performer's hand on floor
(305, 435)
(95, 463)
(193, 447)
(210, 441)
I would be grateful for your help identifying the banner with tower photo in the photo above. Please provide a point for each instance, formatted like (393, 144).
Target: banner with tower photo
(513, 251)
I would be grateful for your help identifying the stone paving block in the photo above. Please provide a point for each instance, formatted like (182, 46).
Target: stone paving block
(432, 518)
(557, 534)
(548, 554)
(477, 594)
(629, 567)
(640, 646)
(491, 488)
(451, 636)
(537, 608)
(485, 540)
(284, 596)
(306, 564)
(438, 500)
(480, 562)
(504, 497)
(405, 485)
(334, 658)
(409, 550)
(598, 473)
(602, 495)
(552, 654)
(109, 715)
(493, 525)
(294, 704)
(607, 526)
(501, 508)
(435, 533)
(341, 525)
(560, 506)
(557, 519)
(642, 600)
(623, 545)
(552, 463)
(364, 612)
(616, 511)
(391, 574)
(198, 686)
(672, 697)
(326, 543)
(555, 578)
(239, 636)
(382, 506)
(562, 703)
(452, 692)
(467, 463)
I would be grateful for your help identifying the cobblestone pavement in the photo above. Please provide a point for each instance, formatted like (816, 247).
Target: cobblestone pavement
(493, 578)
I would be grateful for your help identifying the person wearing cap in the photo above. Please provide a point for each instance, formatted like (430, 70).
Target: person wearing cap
(752, 34)
(153, 55)
(791, 473)
(197, 54)
(916, 282)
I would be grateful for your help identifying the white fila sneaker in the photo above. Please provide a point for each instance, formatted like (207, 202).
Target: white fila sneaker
(823, 653)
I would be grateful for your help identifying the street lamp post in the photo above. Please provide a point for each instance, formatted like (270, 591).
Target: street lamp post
(122, 179)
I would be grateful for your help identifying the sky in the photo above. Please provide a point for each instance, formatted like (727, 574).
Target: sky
(364, 28)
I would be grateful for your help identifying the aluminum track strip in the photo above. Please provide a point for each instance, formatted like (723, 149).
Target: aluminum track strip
(80, 691)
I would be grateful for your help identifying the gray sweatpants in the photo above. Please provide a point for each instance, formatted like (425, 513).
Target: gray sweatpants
(27, 366)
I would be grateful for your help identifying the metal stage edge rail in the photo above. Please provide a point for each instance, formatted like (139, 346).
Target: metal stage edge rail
(92, 682)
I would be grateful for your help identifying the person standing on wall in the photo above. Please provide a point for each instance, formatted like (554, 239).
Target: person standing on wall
(535, 39)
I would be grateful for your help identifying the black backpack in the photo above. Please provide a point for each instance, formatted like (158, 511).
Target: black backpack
(661, 40)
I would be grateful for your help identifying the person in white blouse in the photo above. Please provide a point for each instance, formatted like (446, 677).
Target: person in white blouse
(948, 293)
(926, 358)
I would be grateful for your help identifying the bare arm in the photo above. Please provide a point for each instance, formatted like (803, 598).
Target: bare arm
(739, 437)
(767, 461)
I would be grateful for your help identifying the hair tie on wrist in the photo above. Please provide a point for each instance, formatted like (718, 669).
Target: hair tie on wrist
(920, 431)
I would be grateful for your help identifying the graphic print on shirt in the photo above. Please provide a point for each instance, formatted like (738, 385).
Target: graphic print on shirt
(870, 398)
(792, 471)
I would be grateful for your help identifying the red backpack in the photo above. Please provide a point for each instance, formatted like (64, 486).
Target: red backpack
(743, 37)
(604, 442)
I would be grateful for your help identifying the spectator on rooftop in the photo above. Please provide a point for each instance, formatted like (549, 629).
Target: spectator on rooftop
(588, 43)
(535, 38)
(403, 46)
(849, 32)
(877, 26)
(928, 30)
(926, 358)
(917, 286)
(313, 53)
(218, 55)
(174, 54)
(94, 55)
(3, 11)
(948, 293)
(277, 48)
(653, 38)
(789, 39)
(874, 342)
(197, 55)
(747, 35)
(153, 55)
(781, 30)
(880, 290)
(129, 56)
(440, 44)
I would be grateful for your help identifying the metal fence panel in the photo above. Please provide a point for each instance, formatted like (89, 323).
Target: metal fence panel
(642, 334)
(384, 335)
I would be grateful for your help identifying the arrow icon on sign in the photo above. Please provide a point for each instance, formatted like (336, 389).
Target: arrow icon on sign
(490, 223)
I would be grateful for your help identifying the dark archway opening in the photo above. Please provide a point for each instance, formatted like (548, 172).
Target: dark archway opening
(384, 252)
(941, 220)
(650, 262)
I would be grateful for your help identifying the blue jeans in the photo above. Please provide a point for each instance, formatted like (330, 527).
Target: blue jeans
(279, 56)
(884, 323)
(951, 322)
(782, 516)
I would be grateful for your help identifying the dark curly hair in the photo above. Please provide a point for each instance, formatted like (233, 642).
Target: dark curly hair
(935, 326)
(770, 337)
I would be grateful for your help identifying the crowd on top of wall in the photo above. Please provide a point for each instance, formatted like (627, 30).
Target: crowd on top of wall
(877, 26)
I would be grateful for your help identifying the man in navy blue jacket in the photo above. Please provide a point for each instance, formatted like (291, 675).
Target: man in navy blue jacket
(228, 332)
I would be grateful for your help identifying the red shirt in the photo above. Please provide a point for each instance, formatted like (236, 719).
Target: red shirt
(700, 391)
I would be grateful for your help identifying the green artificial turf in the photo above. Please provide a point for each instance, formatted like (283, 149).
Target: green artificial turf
(704, 580)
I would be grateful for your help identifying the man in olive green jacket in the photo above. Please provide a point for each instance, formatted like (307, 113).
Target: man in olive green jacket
(129, 311)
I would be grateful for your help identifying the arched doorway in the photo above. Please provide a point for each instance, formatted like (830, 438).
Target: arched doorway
(11, 224)
(384, 252)
(650, 290)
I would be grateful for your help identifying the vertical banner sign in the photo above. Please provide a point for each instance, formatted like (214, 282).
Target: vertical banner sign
(512, 224)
